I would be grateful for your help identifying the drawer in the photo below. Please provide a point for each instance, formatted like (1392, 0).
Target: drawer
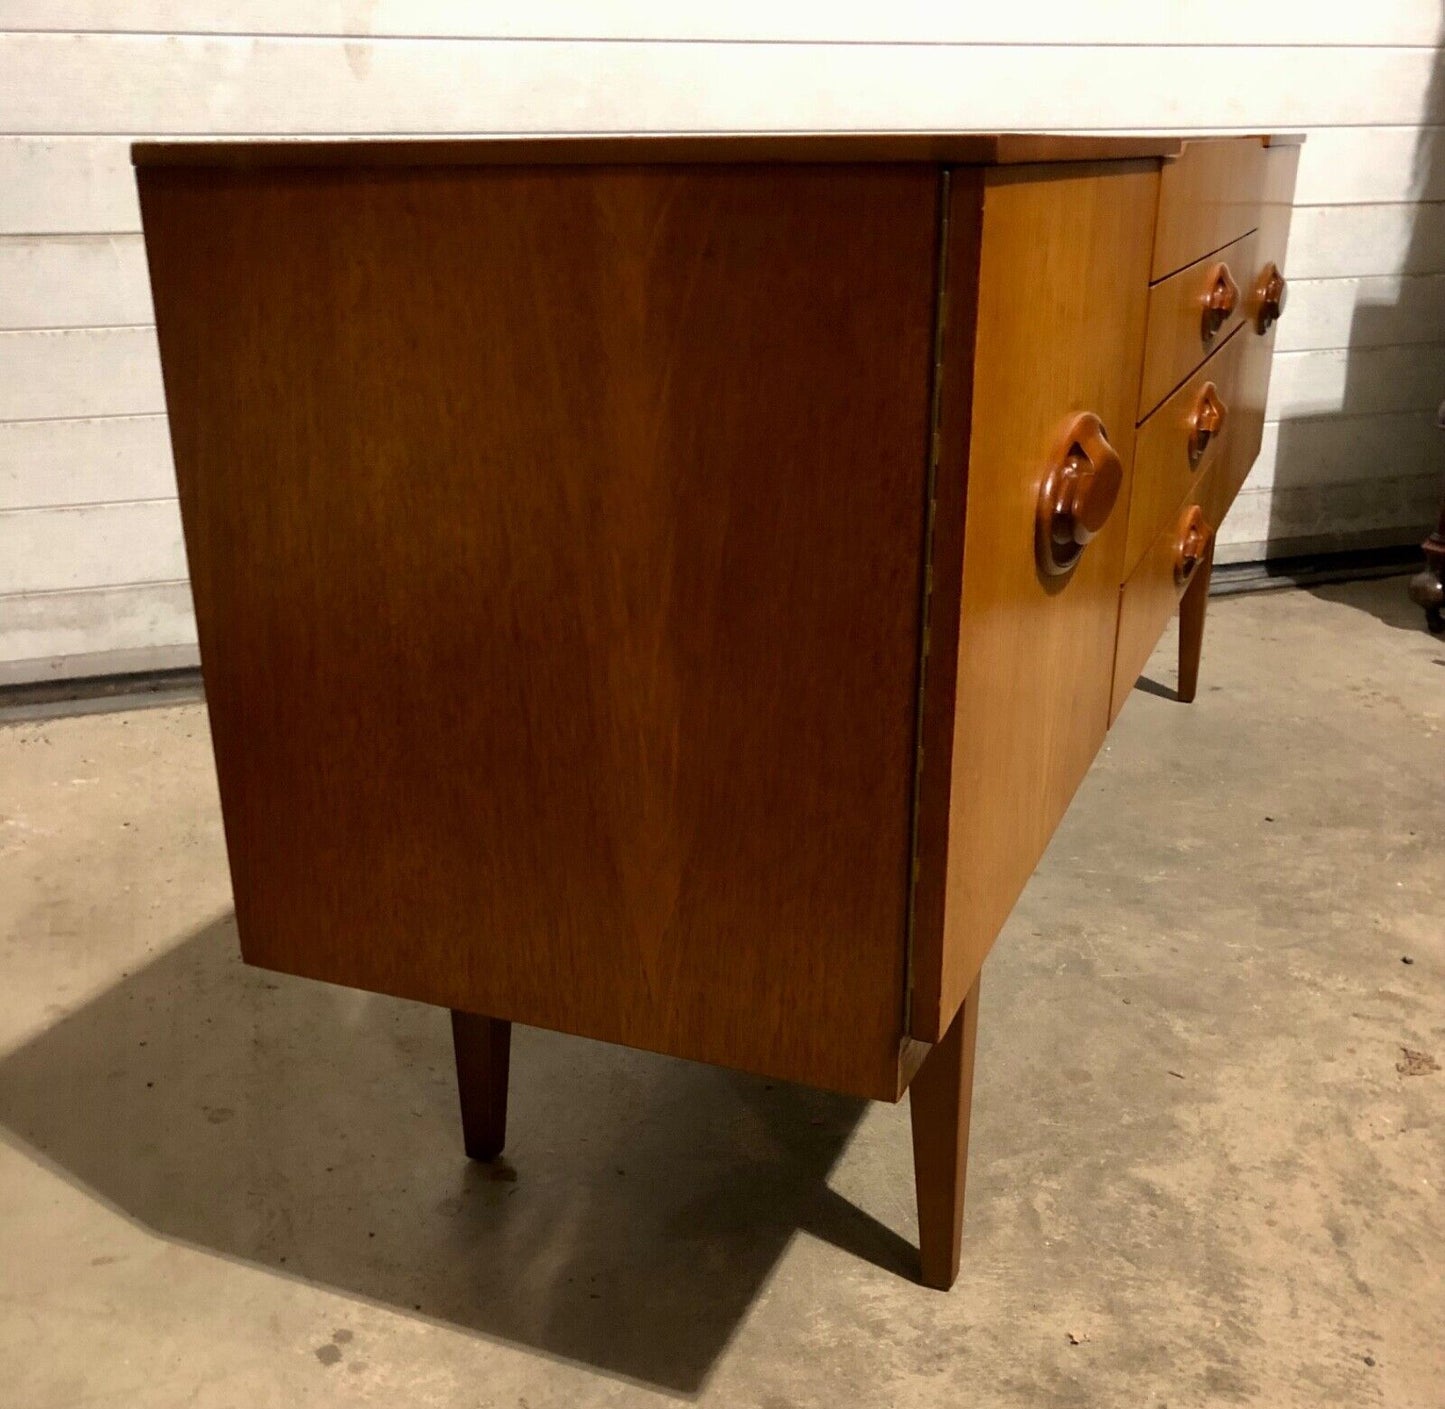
(1208, 197)
(1192, 314)
(1151, 594)
(1181, 442)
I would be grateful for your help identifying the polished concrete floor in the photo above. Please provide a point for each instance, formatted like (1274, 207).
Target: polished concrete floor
(1204, 1170)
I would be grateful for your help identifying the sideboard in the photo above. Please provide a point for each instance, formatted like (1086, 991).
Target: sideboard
(669, 589)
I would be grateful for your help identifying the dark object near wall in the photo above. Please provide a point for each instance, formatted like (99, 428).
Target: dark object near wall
(1427, 587)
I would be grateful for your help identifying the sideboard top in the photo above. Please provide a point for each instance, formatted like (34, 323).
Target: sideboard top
(964, 148)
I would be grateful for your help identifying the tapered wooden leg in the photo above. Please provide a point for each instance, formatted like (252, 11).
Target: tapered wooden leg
(1191, 625)
(483, 1048)
(940, 1100)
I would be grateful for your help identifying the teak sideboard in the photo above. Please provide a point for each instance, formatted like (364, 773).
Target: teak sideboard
(669, 589)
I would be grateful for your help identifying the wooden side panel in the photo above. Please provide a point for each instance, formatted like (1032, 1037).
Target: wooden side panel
(1208, 197)
(1174, 343)
(556, 539)
(1056, 336)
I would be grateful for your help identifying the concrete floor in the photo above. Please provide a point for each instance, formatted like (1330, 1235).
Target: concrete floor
(1199, 1175)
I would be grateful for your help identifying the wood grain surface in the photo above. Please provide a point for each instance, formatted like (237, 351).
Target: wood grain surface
(968, 148)
(1174, 343)
(556, 539)
(1208, 197)
(1056, 337)
(1163, 474)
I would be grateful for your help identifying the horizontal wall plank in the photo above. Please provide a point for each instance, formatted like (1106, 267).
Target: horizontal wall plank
(66, 185)
(85, 184)
(77, 623)
(1360, 313)
(1363, 381)
(1353, 164)
(103, 664)
(92, 545)
(73, 281)
(83, 373)
(1281, 522)
(1331, 241)
(97, 631)
(83, 83)
(1063, 21)
(78, 373)
(103, 460)
(1342, 449)
(92, 461)
(61, 281)
(58, 635)
(107, 372)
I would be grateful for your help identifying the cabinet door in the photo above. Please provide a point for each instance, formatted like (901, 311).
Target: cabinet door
(556, 536)
(1063, 284)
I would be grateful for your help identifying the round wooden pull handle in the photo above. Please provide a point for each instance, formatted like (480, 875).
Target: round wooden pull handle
(1221, 298)
(1270, 292)
(1077, 494)
(1192, 544)
(1206, 421)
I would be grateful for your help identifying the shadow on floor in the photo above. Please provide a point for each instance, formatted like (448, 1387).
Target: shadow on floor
(314, 1130)
(1387, 599)
(1149, 686)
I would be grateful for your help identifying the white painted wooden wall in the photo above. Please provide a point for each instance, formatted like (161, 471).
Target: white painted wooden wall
(92, 569)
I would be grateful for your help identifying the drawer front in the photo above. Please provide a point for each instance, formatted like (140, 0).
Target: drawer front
(1265, 304)
(1152, 592)
(1191, 315)
(1182, 442)
(1208, 197)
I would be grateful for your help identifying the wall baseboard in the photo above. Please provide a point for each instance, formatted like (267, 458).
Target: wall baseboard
(99, 694)
(1315, 569)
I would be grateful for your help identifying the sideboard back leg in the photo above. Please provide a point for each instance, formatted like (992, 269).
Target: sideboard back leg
(1191, 625)
(940, 1100)
(1427, 587)
(483, 1049)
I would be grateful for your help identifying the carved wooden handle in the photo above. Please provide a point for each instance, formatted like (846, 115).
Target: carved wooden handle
(1270, 292)
(1221, 298)
(1206, 421)
(1077, 494)
(1192, 544)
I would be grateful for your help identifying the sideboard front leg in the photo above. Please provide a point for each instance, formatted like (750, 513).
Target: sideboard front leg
(940, 1100)
(483, 1050)
(1191, 625)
